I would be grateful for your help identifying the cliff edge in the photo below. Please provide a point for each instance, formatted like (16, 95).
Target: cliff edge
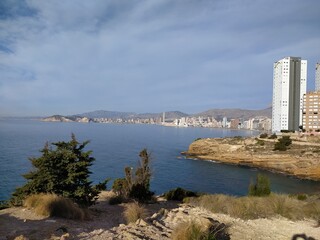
(302, 159)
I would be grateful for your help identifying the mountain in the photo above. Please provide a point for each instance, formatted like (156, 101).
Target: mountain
(168, 115)
(126, 115)
(235, 113)
(106, 114)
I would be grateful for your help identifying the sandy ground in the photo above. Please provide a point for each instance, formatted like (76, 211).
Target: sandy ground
(107, 222)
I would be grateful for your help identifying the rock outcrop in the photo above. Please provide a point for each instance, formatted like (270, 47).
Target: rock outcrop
(302, 159)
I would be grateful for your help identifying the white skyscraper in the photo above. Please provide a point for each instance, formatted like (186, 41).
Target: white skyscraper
(317, 77)
(289, 85)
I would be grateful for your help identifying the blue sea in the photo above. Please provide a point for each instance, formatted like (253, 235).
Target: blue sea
(116, 146)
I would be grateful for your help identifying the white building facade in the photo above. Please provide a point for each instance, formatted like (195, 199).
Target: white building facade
(289, 86)
(317, 77)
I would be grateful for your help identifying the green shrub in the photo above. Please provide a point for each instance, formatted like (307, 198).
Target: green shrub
(179, 194)
(136, 185)
(283, 143)
(64, 170)
(263, 135)
(302, 197)
(140, 193)
(4, 205)
(51, 205)
(273, 136)
(260, 142)
(287, 131)
(261, 187)
(115, 200)
(120, 187)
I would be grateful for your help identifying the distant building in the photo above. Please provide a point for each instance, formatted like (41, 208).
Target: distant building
(234, 123)
(317, 77)
(224, 122)
(289, 85)
(311, 108)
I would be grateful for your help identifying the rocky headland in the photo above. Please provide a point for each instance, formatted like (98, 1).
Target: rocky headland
(59, 118)
(301, 159)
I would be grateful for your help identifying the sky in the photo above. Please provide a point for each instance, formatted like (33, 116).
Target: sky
(69, 57)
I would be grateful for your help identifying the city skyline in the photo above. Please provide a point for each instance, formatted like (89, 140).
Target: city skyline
(148, 56)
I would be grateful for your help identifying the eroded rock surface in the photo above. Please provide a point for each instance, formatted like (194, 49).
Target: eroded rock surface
(302, 159)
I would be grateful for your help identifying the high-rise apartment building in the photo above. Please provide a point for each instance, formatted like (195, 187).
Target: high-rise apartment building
(289, 86)
(310, 113)
(317, 77)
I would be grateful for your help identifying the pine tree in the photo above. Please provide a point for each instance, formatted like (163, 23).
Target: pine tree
(62, 169)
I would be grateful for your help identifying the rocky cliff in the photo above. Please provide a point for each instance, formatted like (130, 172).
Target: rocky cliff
(302, 159)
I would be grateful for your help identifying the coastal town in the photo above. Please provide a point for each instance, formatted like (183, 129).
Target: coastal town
(261, 123)
(258, 123)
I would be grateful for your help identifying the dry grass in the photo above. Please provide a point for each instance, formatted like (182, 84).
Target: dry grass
(260, 207)
(51, 205)
(134, 211)
(188, 231)
(194, 230)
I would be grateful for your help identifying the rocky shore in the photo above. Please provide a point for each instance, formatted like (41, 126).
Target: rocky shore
(302, 159)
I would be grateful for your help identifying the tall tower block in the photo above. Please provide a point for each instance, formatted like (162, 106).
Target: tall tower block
(317, 77)
(289, 86)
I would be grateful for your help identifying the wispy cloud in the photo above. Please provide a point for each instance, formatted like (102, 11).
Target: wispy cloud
(148, 56)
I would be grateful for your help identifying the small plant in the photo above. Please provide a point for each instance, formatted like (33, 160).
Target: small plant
(197, 139)
(287, 131)
(260, 142)
(136, 186)
(120, 187)
(302, 197)
(134, 211)
(188, 231)
(263, 135)
(261, 187)
(51, 205)
(273, 136)
(115, 200)
(283, 143)
(4, 205)
(179, 194)
(194, 231)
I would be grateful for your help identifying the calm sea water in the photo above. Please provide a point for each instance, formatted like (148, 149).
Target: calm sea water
(117, 146)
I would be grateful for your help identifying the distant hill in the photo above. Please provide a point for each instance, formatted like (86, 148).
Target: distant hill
(216, 113)
(126, 115)
(106, 114)
(235, 113)
(169, 115)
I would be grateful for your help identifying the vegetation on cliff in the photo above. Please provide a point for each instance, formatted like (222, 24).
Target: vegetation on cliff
(137, 185)
(63, 169)
(261, 187)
